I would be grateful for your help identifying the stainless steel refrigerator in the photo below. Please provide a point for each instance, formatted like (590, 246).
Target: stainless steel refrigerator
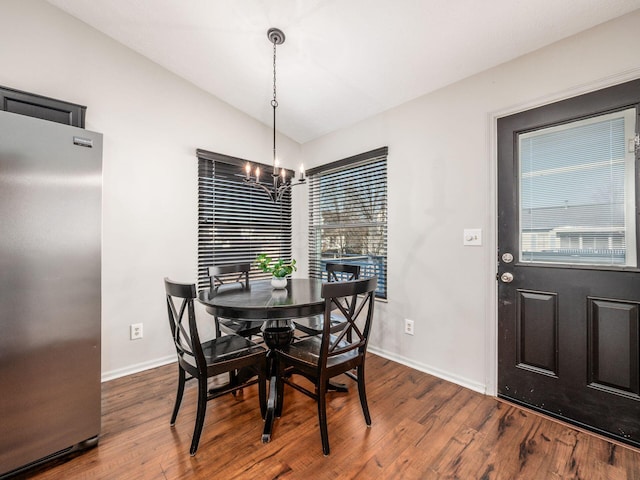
(50, 254)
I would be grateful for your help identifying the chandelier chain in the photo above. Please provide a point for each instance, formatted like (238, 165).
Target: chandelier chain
(281, 184)
(274, 102)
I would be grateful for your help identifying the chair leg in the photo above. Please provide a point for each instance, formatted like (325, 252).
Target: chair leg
(277, 367)
(233, 381)
(352, 375)
(322, 416)
(363, 394)
(202, 409)
(262, 389)
(176, 406)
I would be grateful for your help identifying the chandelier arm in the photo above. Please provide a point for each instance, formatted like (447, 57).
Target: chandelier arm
(253, 183)
(283, 189)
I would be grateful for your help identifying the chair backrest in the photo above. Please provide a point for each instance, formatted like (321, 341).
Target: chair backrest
(231, 275)
(338, 272)
(354, 334)
(180, 298)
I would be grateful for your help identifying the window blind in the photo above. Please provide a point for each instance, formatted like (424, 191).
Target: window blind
(577, 196)
(348, 215)
(237, 222)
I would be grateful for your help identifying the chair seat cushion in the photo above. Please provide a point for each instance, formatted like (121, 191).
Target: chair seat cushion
(245, 328)
(308, 351)
(229, 347)
(313, 325)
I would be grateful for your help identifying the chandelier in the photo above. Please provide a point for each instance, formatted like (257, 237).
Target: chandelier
(281, 184)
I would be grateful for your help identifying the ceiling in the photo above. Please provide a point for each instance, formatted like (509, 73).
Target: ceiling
(342, 61)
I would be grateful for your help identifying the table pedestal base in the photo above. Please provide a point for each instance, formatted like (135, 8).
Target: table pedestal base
(276, 334)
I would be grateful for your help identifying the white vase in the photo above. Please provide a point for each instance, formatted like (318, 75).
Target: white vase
(279, 282)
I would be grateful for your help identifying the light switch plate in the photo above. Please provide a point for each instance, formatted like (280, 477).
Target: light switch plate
(473, 236)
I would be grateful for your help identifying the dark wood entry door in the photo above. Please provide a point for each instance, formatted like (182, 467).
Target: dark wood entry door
(569, 283)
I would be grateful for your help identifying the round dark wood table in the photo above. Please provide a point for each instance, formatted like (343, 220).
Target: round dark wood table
(275, 308)
(301, 298)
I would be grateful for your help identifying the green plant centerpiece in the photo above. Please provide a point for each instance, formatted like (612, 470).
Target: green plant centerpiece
(279, 269)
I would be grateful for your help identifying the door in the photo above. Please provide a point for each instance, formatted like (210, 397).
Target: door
(569, 283)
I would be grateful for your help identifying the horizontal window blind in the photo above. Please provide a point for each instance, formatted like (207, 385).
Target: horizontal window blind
(237, 222)
(348, 216)
(577, 195)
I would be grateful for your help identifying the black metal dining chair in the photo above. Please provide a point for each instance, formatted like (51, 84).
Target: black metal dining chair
(203, 360)
(225, 277)
(322, 357)
(336, 272)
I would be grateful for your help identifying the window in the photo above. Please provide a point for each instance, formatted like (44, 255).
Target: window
(577, 196)
(237, 222)
(348, 215)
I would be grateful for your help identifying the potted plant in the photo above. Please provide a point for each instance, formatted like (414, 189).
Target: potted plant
(279, 269)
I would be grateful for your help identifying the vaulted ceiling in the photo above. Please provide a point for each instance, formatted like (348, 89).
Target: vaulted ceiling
(343, 60)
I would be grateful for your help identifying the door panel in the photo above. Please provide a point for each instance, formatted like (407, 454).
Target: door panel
(568, 308)
(613, 346)
(537, 324)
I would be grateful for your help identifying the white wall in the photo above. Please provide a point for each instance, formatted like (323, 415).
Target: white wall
(152, 123)
(442, 179)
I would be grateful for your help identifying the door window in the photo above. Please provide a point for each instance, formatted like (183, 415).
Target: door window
(577, 192)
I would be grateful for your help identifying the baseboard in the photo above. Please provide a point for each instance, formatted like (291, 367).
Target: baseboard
(138, 367)
(463, 382)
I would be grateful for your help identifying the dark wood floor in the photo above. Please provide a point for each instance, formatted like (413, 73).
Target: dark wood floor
(423, 428)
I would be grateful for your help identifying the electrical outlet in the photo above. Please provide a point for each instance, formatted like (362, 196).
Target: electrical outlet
(135, 331)
(408, 326)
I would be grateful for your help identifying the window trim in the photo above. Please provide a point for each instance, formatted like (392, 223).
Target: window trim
(349, 161)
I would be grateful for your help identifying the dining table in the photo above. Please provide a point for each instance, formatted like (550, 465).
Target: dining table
(277, 309)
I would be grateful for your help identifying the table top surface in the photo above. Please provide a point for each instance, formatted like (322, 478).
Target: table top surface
(301, 298)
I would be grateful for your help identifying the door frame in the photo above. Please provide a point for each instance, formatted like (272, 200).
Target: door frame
(491, 255)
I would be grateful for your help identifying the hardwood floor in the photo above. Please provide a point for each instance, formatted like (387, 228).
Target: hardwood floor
(423, 428)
